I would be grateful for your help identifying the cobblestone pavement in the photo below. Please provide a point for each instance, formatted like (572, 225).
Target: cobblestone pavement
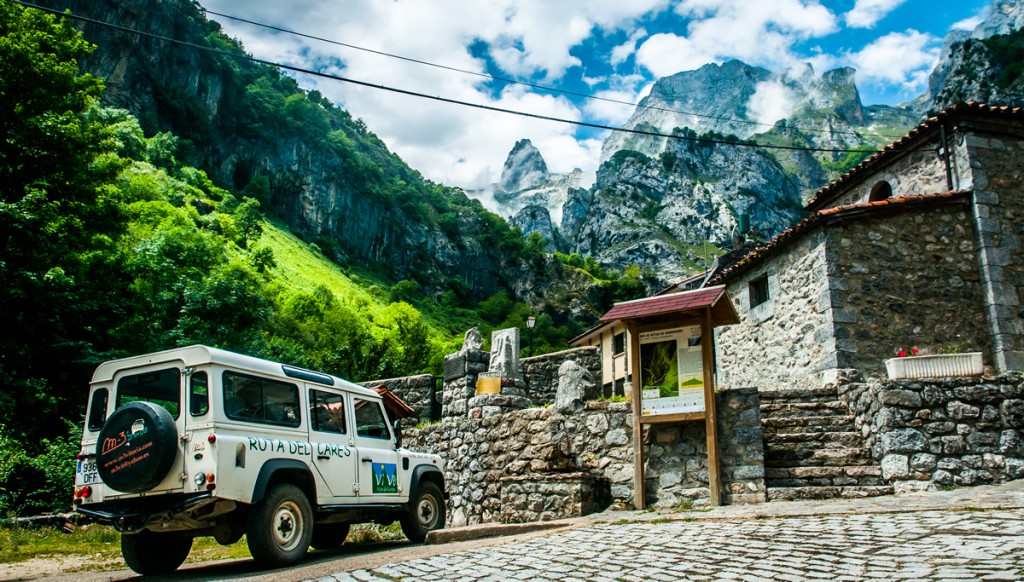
(967, 543)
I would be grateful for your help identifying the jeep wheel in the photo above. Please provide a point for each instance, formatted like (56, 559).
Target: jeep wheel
(151, 553)
(280, 527)
(136, 447)
(425, 513)
(329, 536)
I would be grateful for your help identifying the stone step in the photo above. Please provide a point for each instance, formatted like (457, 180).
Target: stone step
(800, 395)
(807, 424)
(828, 492)
(803, 409)
(856, 472)
(824, 482)
(821, 440)
(813, 457)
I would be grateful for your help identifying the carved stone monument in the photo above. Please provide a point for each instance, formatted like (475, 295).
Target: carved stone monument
(502, 387)
(505, 355)
(472, 341)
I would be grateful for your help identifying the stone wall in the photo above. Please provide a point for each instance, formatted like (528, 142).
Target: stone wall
(786, 342)
(998, 180)
(952, 432)
(419, 392)
(920, 172)
(527, 448)
(541, 372)
(908, 279)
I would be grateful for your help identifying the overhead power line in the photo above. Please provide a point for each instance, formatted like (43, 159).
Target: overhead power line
(532, 85)
(399, 91)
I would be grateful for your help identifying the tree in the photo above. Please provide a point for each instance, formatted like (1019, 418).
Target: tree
(54, 217)
(249, 221)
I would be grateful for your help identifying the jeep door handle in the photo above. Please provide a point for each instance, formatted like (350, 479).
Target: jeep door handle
(367, 460)
(323, 457)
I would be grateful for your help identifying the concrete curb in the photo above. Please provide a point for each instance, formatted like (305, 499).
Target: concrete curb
(490, 530)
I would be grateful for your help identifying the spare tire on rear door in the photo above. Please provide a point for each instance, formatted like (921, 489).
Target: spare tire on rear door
(137, 446)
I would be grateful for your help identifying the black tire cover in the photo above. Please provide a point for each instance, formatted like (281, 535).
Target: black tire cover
(137, 446)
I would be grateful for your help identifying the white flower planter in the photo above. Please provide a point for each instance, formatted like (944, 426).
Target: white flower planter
(941, 366)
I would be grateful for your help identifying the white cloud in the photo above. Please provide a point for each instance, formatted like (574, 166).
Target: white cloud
(611, 108)
(625, 50)
(867, 13)
(758, 33)
(968, 24)
(771, 102)
(903, 59)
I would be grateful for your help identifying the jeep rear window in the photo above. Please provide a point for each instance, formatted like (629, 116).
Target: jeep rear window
(98, 409)
(161, 387)
(261, 400)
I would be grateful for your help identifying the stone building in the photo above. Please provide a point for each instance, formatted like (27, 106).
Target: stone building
(920, 245)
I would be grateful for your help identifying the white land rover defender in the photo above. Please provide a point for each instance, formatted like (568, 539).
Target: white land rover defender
(198, 441)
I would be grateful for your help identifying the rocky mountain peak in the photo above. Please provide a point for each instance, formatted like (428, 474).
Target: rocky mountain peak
(967, 71)
(524, 168)
(1003, 16)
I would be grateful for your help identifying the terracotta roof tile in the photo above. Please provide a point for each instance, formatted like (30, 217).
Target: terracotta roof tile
(834, 188)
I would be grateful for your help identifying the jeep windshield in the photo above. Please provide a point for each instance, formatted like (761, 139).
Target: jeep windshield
(161, 387)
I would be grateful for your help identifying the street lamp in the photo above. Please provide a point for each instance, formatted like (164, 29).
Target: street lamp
(530, 322)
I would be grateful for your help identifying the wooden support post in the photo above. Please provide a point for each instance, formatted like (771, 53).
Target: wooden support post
(638, 431)
(710, 417)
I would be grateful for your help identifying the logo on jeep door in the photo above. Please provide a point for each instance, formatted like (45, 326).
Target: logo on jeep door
(385, 478)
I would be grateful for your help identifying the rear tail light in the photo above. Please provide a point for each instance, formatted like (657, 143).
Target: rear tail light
(212, 438)
(81, 493)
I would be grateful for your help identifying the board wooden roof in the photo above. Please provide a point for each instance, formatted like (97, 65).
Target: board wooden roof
(722, 310)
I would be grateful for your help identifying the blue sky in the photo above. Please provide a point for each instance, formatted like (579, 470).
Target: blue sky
(611, 48)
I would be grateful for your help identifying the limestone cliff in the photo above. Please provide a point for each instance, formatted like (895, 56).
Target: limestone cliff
(312, 165)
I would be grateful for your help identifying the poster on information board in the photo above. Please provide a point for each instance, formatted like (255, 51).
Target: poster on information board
(671, 371)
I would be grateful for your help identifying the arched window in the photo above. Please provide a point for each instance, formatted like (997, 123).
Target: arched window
(880, 191)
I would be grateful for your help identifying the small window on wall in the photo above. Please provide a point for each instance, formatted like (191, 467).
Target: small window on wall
(759, 291)
(880, 191)
(619, 344)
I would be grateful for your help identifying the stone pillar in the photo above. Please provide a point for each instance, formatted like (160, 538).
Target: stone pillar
(461, 371)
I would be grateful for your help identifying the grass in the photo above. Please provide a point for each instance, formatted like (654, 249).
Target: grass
(302, 269)
(102, 545)
(19, 544)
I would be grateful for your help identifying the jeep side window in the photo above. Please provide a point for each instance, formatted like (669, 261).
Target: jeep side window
(370, 419)
(261, 400)
(98, 409)
(199, 394)
(161, 387)
(327, 411)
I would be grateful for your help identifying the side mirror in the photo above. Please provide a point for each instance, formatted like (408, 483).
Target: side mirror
(398, 434)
